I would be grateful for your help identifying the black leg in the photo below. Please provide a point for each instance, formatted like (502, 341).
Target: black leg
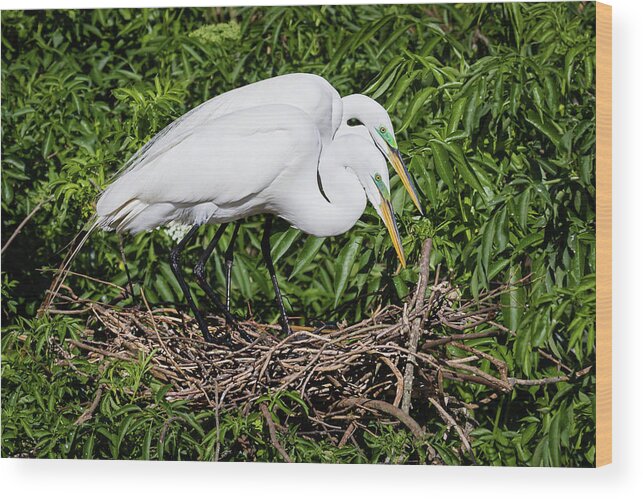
(175, 263)
(265, 248)
(229, 260)
(199, 272)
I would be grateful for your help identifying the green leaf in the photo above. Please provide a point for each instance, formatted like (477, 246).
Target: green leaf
(308, 252)
(88, 447)
(513, 300)
(400, 287)
(415, 106)
(163, 289)
(538, 100)
(170, 278)
(528, 241)
(344, 265)
(471, 111)
(522, 208)
(464, 169)
(48, 144)
(546, 128)
(400, 87)
(488, 235)
(554, 439)
(441, 161)
(457, 111)
(387, 73)
(284, 243)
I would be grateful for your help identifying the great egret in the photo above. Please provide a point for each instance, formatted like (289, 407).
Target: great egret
(267, 159)
(314, 96)
(309, 92)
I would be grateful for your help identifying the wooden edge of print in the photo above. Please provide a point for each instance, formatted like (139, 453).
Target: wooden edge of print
(603, 234)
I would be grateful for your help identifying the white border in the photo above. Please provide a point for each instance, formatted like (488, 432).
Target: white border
(52, 479)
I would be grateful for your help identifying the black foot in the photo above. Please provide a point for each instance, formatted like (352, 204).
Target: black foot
(206, 335)
(231, 321)
(232, 324)
(285, 329)
(245, 335)
(222, 339)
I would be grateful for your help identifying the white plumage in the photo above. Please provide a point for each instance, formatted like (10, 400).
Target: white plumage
(259, 160)
(309, 93)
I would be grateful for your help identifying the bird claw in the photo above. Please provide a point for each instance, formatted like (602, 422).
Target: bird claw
(232, 324)
(285, 327)
(208, 337)
(225, 339)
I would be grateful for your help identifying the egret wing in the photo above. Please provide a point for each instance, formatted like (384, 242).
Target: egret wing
(228, 164)
(308, 92)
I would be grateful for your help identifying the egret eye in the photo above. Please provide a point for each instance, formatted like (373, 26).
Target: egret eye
(378, 178)
(383, 129)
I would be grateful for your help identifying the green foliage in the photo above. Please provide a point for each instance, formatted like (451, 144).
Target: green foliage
(494, 110)
(217, 33)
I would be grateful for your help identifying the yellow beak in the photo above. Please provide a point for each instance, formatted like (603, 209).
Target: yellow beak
(395, 158)
(388, 216)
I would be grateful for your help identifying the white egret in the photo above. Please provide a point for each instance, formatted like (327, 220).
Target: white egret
(267, 159)
(312, 94)
(308, 92)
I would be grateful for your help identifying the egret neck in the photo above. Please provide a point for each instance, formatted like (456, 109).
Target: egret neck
(343, 200)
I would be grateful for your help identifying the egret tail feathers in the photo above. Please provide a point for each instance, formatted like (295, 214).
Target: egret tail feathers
(136, 216)
(121, 218)
(63, 270)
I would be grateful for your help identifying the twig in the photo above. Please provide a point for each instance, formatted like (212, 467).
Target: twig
(217, 449)
(90, 278)
(344, 375)
(273, 433)
(387, 408)
(165, 349)
(451, 422)
(414, 336)
(129, 277)
(548, 381)
(347, 434)
(23, 223)
(89, 412)
(399, 386)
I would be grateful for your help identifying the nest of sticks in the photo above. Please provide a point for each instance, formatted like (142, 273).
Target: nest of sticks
(377, 368)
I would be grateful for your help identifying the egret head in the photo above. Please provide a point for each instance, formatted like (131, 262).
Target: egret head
(370, 168)
(374, 117)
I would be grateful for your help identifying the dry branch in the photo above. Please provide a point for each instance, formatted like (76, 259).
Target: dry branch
(22, 224)
(387, 408)
(273, 433)
(414, 335)
(87, 415)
